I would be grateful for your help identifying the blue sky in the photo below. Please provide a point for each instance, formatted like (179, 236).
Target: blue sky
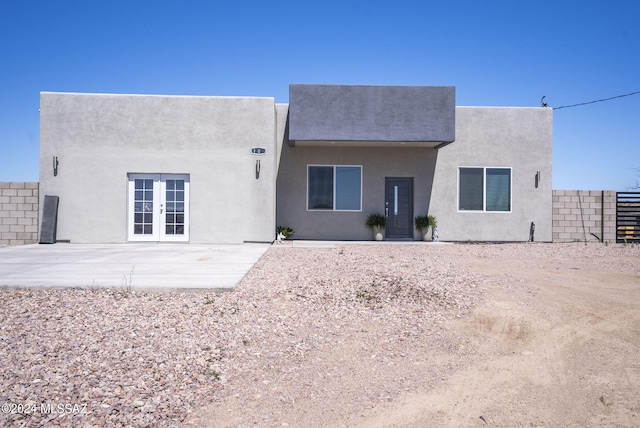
(496, 53)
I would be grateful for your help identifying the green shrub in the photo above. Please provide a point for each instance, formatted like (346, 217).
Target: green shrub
(287, 232)
(424, 222)
(376, 220)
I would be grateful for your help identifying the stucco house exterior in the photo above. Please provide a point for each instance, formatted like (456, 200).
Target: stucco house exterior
(204, 169)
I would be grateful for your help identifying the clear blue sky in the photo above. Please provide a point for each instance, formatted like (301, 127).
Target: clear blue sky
(496, 53)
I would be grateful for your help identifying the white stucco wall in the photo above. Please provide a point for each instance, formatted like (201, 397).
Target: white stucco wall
(100, 138)
(519, 138)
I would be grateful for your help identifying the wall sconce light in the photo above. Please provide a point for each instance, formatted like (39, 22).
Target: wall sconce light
(258, 151)
(55, 166)
(537, 178)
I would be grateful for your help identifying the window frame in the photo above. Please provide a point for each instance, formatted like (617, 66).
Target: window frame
(484, 189)
(335, 184)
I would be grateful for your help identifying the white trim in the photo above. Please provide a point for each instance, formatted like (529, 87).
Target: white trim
(163, 235)
(484, 189)
(157, 211)
(334, 188)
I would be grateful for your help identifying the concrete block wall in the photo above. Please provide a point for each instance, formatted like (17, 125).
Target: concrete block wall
(18, 213)
(577, 214)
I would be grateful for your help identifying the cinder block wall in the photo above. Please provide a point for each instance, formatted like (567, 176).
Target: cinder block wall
(18, 213)
(577, 214)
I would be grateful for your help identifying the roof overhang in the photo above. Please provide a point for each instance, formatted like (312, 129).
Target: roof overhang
(371, 116)
(429, 144)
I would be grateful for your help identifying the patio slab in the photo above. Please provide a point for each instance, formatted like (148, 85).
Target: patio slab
(153, 266)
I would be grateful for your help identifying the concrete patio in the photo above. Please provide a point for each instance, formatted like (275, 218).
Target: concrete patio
(165, 267)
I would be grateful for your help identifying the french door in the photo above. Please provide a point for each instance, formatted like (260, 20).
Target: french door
(158, 207)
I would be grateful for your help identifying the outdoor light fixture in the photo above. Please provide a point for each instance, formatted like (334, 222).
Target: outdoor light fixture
(55, 166)
(258, 151)
(537, 178)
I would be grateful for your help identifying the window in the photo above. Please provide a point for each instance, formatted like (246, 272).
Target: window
(334, 188)
(484, 189)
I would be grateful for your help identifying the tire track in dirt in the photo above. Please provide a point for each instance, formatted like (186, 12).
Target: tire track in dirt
(559, 350)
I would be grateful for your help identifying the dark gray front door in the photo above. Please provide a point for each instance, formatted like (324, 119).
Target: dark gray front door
(399, 208)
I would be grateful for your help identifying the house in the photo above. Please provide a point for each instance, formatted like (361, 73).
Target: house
(202, 169)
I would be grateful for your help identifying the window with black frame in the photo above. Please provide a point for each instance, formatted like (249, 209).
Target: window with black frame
(484, 189)
(334, 188)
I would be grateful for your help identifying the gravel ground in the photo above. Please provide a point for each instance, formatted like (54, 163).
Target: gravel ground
(346, 328)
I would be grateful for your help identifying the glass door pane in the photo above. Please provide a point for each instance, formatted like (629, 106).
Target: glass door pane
(144, 205)
(175, 208)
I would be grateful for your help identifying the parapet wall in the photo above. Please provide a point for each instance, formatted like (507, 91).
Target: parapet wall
(584, 215)
(18, 213)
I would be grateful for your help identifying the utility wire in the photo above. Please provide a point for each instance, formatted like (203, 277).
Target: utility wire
(597, 101)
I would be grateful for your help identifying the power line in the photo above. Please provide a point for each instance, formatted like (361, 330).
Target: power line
(597, 101)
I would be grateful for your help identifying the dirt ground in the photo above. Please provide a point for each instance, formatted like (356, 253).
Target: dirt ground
(351, 335)
(558, 346)
(554, 341)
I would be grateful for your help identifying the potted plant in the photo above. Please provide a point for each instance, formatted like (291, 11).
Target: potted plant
(284, 233)
(423, 224)
(377, 222)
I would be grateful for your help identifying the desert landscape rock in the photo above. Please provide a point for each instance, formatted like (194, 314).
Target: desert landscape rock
(387, 335)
